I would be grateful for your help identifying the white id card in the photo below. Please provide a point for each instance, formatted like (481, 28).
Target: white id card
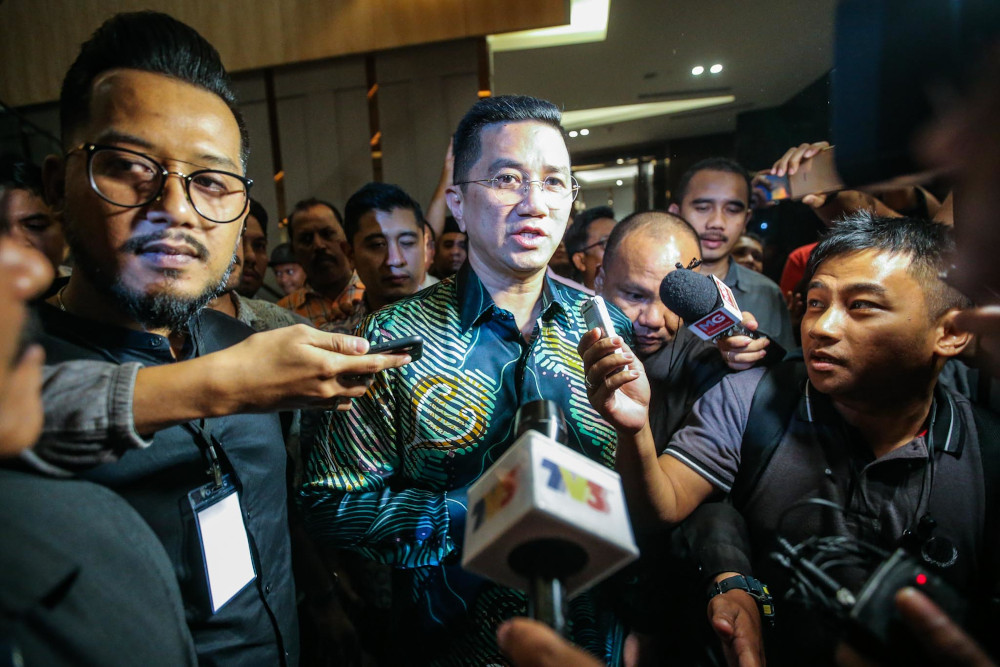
(224, 544)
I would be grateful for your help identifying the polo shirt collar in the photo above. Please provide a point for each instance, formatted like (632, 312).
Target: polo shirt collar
(943, 426)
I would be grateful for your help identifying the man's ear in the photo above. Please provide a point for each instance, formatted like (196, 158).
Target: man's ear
(951, 340)
(453, 195)
(599, 281)
(54, 183)
(577, 260)
(348, 250)
(674, 208)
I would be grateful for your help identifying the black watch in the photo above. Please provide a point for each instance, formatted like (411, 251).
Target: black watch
(756, 589)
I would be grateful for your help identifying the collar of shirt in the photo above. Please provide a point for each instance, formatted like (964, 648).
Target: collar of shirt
(475, 304)
(943, 426)
(110, 340)
(734, 274)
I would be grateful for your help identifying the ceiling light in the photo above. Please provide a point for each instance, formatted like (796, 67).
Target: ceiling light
(606, 175)
(619, 182)
(620, 161)
(572, 134)
(626, 112)
(698, 70)
(588, 22)
(584, 132)
(716, 68)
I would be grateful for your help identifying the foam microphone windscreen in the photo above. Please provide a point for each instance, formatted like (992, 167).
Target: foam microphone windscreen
(689, 294)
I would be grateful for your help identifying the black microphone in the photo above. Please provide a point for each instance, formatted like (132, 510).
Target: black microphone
(545, 519)
(708, 307)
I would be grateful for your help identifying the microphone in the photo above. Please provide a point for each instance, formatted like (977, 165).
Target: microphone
(545, 519)
(708, 307)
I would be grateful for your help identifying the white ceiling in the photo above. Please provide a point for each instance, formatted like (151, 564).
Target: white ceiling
(770, 50)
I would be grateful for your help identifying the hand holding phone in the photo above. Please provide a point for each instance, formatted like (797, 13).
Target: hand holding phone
(411, 345)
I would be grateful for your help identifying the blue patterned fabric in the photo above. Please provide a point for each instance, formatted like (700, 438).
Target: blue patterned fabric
(388, 478)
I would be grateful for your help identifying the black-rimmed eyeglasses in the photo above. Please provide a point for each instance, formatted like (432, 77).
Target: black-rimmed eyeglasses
(131, 179)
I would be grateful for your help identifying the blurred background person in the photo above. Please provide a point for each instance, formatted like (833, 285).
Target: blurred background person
(288, 273)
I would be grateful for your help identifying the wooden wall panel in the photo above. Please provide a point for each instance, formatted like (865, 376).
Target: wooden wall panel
(250, 34)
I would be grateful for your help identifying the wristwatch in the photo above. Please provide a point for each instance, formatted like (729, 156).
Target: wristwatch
(756, 589)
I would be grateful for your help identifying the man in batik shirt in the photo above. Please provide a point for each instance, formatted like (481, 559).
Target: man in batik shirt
(388, 479)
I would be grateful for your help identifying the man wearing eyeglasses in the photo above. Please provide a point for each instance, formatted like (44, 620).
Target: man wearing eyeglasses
(585, 241)
(152, 192)
(389, 481)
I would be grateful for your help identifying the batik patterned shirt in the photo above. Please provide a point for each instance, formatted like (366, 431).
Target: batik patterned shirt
(388, 478)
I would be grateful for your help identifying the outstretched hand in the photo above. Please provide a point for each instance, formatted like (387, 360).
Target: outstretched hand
(616, 381)
(742, 352)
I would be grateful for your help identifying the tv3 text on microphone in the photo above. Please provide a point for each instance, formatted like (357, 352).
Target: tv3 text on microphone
(545, 519)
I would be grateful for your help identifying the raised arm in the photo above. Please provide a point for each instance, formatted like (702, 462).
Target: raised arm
(658, 490)
(95, 410)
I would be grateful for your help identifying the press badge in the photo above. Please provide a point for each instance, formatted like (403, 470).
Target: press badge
(225, 547)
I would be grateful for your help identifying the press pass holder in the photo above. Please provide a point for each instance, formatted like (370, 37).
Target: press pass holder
(225, 546)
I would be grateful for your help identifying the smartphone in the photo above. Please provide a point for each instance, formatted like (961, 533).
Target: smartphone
(817, 175)
(595, 314)
(411, 345)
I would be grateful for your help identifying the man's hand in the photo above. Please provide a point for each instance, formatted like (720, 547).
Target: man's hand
(616, 381)
(301, 367)
(529, 643)
(736, 620)
(285, 369)
(742, 352)
(945, 644)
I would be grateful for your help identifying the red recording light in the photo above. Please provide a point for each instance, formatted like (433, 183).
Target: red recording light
(921, 579)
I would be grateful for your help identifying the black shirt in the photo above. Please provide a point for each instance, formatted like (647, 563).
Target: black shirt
(258, 626)
(679, 373)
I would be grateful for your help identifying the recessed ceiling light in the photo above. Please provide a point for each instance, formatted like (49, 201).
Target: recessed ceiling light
(620, 161)
(584, 132)
(572, 134)
(698, 70)
(619, 182)
(716, 68)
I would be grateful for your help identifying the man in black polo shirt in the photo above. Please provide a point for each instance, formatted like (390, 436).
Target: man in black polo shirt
(153, 195)
(873, 431)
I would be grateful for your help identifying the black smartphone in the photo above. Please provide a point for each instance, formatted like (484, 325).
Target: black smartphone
(411, 345)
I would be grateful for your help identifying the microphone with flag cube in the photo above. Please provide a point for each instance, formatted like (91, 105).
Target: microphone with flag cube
(543, 493)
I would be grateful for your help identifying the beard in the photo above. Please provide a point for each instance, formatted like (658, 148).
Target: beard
(160, 310)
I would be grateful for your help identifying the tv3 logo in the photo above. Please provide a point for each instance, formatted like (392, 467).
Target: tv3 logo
(496, 498)
(576, 487)
(715, 323)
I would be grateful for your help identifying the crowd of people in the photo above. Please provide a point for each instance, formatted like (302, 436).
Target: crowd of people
(195, 475)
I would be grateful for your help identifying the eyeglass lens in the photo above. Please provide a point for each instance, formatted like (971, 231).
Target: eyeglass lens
(131, 179)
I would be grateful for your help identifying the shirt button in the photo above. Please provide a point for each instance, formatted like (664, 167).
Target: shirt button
(267, 589)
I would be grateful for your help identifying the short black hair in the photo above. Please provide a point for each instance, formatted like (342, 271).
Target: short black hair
(258, 211)
(642, 220)
(712, 164)
(19, 175)
(150, 42)
(576, 236)
(466, 145)
(929, 245)
(377, 197)
(451, 226)
(305, 205)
